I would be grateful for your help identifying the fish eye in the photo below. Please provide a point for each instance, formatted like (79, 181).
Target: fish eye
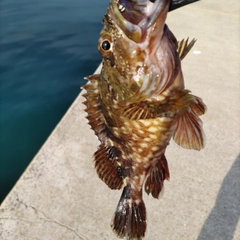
(106, 45)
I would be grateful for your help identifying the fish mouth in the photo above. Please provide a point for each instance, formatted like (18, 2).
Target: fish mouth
(135, 17)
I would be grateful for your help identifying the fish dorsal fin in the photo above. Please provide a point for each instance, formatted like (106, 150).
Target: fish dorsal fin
(94, 108)
(184, 47)
(189, 132)
(107, 166)
(107, 155)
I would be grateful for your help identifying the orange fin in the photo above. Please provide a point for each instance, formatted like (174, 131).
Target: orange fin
(154, 182)
(189, 133)
(184, 47)
(129, 220)
(107, 167)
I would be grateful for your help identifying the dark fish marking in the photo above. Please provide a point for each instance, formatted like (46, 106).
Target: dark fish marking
(113, 152)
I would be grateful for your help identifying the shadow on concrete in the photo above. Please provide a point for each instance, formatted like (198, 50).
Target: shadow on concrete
(223, 219)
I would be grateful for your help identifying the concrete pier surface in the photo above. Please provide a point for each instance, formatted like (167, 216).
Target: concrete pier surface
(60, 196)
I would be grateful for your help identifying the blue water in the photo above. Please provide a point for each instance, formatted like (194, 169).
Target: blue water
(46, 48)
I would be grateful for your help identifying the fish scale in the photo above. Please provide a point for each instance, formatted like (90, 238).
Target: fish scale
(137, 104)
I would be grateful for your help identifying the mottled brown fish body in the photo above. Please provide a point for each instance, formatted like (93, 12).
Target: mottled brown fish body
(136, 104)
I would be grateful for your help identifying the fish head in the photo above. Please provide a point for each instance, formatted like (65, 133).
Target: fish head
(139, 51)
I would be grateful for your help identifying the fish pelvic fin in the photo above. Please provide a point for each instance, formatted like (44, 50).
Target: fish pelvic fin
(189, 131)
(107, 166)
(184, 47)
(155, 180)
(129, 220)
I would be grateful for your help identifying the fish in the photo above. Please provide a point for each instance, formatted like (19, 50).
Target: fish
(137, 104)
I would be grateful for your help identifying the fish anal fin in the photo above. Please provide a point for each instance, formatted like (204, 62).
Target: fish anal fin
(107, 167)
(188, 132)
(184, 47)
(129, 220)
(155, 180)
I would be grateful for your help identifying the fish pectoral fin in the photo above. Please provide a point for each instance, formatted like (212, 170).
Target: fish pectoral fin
(129, 220)
(136, 111)
(155, 180)
(184, 47)
(107, 167)
(198, 106)
(141, 110)
(188, 132)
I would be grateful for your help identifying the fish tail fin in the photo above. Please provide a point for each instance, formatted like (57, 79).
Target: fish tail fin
(129, 220)
(155, 180)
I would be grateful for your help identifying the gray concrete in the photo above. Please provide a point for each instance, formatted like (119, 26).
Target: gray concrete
(59, 196)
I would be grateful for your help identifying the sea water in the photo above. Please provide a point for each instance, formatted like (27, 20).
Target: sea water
(46, 48)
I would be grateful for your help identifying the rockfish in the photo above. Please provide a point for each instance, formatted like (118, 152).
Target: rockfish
(137, 104)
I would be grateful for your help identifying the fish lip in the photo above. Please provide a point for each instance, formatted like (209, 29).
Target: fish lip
(150, 11)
